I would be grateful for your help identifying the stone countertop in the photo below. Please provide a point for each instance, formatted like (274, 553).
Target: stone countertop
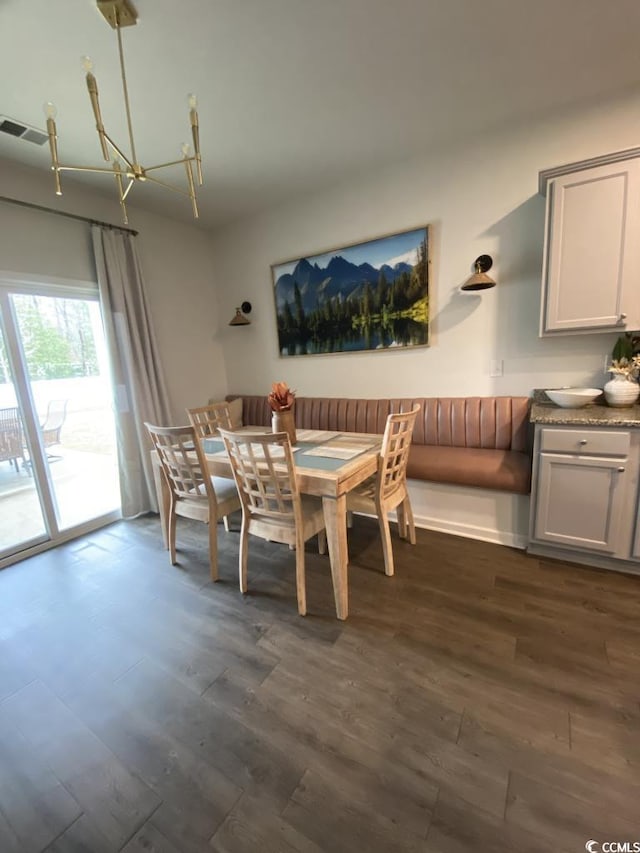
(597, 414)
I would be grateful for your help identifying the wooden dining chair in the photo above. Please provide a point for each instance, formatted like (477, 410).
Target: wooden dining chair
(387, 489)
(208, 419)
(272, 506)
(193, 493)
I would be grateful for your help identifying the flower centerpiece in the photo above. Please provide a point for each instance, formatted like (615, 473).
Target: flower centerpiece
(623, 389)
(281, 400)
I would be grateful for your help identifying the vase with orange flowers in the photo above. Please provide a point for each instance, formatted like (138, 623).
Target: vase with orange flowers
(281, 400)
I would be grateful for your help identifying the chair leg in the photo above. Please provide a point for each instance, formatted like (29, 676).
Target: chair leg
(408, 512)
(244, 555)
(225, 521)
(402, 521)
(385, 535)
(213, 549)
(301, 588)
(322, 541)
(171, 532)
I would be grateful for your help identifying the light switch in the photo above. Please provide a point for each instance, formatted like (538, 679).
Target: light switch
(497, 367)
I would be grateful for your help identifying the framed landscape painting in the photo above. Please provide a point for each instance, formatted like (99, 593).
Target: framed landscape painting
(366, 296)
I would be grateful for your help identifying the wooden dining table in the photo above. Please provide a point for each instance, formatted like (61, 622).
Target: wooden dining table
(328, 465)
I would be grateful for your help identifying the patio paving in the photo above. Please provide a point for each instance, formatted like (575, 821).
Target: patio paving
(86, 486)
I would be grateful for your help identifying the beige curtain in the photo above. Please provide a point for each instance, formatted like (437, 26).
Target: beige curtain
(139, 389)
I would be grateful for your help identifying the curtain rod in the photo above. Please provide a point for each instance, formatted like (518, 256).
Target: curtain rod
(44, 209)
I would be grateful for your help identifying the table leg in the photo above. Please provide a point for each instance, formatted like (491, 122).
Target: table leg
(335, 518)
(162, 494)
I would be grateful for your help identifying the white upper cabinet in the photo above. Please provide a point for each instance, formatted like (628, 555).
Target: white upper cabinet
(591, 270)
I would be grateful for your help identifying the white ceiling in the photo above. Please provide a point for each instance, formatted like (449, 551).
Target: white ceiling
(297, 94)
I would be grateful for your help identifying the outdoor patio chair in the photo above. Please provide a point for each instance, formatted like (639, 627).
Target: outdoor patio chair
(52, 424)
(11, 437)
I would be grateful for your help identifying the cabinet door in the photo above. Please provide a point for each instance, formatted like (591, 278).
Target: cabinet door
(635, 550)
(592, 249)
(579, 501)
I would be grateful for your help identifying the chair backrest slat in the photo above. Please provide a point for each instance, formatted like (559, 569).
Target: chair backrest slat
(264, 472)
(395, 451)
(207, 420)
(183, 462)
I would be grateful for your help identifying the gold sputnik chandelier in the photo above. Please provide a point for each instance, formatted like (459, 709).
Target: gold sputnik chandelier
(126, 169)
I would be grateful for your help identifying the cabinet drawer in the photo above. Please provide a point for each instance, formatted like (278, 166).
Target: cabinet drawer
(586, 441)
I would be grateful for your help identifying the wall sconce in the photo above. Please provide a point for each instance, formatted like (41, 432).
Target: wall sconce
(479, 280)
(240, 317)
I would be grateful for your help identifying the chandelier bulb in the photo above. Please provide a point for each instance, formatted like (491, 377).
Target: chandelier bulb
(87, 64)
(50, 110)
(193, 101)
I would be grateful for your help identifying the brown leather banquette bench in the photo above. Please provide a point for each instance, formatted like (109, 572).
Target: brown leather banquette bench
(467, 441)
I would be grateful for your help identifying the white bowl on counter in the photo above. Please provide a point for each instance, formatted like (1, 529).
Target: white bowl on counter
(573, 398)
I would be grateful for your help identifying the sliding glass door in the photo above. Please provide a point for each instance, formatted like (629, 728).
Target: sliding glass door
(21, 518)
(56, 398)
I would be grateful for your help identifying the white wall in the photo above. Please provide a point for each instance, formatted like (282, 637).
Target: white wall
(176, 259)
(480, 197)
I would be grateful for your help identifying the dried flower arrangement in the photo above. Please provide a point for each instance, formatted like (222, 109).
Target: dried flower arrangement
(626, 358)
(281, 398)
(630, 369)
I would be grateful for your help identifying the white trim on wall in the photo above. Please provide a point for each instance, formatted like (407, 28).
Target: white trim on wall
(55, 285)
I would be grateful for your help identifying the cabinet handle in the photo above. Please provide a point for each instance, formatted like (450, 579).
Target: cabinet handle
(583, 441)
(622, 318)
(620, 470)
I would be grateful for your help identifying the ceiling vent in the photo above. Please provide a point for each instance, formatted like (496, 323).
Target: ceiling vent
(22, 131)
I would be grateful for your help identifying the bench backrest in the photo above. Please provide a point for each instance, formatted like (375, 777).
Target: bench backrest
(496, 423)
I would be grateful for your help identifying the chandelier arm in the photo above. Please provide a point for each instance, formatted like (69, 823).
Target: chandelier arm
(53, 149)
(126, 192)
(195, 133)
(56, 175)
(117, 172)
(96, 169)
(92, 87)
(192, 189)
(170, 163)
(118, 151)
(125, 92)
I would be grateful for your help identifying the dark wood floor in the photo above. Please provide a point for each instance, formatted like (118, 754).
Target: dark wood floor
(481, 700)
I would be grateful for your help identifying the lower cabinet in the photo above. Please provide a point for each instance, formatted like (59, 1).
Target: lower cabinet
(584, 494)
(579, 501)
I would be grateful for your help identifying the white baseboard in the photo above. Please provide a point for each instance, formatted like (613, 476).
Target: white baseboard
(471, 531)
(483, 514)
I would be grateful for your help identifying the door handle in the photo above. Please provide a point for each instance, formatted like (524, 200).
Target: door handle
(620, 470)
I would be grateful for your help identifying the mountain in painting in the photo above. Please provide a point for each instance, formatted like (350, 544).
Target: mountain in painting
(339, 278)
